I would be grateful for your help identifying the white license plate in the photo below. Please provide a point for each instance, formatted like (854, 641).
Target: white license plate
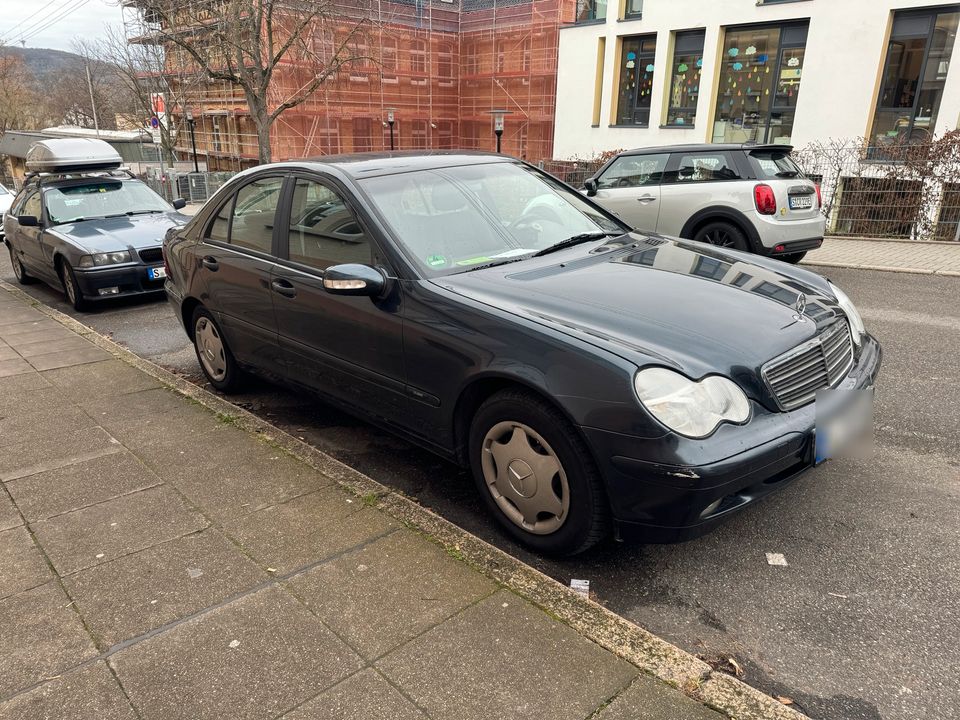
(844, 423)
(156, 273)
(801, 202)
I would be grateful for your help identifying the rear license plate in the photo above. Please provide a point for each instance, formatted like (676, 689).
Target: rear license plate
(156, 273)
(801, 202)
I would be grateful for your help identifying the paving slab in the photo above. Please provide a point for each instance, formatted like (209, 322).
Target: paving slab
(80, 484)
(253, 658)
(308, 529)
(404, 581)
(41, 637)
(363, 696)
(44, 422)
(490, 662)
(89, 693)
(52, 360)
(37, 454)
(8, 353)
(15, 366)
(137, 593)
(23, 565)
(47, 334)
(50, 346)
(650, 699)
(25, 320)
(99, 533)
(99, 379)
(13, 387)
(9, 515)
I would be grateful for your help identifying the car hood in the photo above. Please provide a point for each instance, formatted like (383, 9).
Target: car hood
(662, 301)
(112, 234)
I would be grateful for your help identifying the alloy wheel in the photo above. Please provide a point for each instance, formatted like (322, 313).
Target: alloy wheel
(210, 349)
(17, 267)
(720, 238)
(525, 478)
(68, 287)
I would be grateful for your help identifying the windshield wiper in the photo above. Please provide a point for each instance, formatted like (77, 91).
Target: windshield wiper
(142, 212)
(496, 263)
(576, 240)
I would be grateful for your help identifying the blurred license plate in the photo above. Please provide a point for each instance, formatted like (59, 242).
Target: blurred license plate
(844, 424)
(801, 202)
(157, 273)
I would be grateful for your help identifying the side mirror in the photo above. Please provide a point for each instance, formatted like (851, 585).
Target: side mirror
(354, 279)
(179, 204)
(28, 221)
(591, 186)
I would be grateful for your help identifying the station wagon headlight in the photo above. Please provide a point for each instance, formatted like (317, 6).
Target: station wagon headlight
(691, 408)
(857, 328)
(110, 258)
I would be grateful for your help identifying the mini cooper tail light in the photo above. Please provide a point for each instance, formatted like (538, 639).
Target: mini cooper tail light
(765, 200)
(819, 197)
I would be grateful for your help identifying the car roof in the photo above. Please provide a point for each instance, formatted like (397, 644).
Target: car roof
(375, 164)
(705, 147)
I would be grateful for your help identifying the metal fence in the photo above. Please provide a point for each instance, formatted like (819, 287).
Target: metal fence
(192, 187)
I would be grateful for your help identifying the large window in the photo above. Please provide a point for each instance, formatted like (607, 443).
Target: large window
(914, 76)
(633, 9)
(685, 78)
(636, 80)
(253, 214)
(591, 10)
(323, 230)
(762, 67)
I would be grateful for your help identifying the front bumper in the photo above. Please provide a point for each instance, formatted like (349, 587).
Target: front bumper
(683, 488)
(129, 279)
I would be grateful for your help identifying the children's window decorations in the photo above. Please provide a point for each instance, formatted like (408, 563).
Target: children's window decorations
(733, 52)
(762, 58)
(683, 67)
(631, 60)
(650, 68)
(738, 66)
(699, 62)
(752, 50)
(793, 62)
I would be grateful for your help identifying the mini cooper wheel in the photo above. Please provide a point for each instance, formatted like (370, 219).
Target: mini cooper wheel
(535, 474)
(722, 234)
(71, 289)
(216, 360)
(19, 271)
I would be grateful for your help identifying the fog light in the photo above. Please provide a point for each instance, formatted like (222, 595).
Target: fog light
(108, 291)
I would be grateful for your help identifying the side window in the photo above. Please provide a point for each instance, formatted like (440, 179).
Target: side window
(218, 227)
(634, 171)
(254, 213)
(706, 167)
(31, 206)
(323, 230)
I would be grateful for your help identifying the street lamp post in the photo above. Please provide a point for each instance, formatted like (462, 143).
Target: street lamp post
(193, 140)
(498, 116)
(390, 120)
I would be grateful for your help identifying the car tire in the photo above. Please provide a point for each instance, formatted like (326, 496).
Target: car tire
(567, 511)
(792, 258)
(19, 271)
(722, 234)
(217, 362)
(71, 289)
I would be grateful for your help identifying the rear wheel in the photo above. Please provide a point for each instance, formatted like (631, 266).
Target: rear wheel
(722, 234)
(792, 257)
(19, 271)
(71, 289)
(536, 475)
(216, 360)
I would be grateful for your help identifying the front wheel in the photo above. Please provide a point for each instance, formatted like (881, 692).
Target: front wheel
(216, 360)
(71, 289)
(19, 271)
(722, 234)
(536, 476)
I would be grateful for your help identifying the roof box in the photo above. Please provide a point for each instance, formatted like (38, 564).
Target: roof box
(62, 155)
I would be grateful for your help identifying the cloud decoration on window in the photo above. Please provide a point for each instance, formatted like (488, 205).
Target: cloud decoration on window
(733, 52)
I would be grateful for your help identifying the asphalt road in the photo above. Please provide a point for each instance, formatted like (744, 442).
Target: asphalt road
(861, 624)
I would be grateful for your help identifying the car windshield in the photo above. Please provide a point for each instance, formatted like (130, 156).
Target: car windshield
(773, 164)
(455, 219)
(4, 191)
(101, 198)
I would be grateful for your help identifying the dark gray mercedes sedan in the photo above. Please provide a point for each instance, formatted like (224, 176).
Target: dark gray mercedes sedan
(594, 379)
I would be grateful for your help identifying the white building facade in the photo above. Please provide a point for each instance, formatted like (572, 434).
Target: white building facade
(639, 73)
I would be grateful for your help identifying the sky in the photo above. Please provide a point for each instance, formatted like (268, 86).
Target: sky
(87, 19)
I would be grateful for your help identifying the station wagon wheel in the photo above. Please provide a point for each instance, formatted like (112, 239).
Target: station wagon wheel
(71, 289)
(19, 271)
(216, 360)
(536, 475)
(722, 234)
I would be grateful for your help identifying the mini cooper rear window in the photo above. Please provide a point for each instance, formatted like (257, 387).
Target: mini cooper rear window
(773, 164)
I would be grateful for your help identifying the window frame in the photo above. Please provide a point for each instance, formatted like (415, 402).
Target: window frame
(702, 33)
(643, 56)
(231, 199)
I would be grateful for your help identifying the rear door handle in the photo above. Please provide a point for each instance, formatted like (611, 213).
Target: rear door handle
(646, 199)
(210, 263)
(284, 287)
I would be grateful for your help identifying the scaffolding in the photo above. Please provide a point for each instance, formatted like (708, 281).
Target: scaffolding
(441, 66)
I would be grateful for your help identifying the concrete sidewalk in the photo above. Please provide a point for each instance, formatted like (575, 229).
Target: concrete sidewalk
(160, 560)
(925, 258)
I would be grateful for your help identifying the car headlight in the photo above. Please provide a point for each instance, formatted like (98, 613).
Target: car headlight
(110, 258)
(853, 315)
(690, 408)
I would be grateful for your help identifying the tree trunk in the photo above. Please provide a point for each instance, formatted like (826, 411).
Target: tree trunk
(261, 119)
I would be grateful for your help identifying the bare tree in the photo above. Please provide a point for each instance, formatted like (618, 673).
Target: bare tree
(278, 52)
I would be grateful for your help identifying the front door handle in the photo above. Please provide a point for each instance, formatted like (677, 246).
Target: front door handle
(284, 287)
(210, 263)
(646, 199)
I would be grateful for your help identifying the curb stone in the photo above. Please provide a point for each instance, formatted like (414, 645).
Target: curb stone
(649, 653)
(883, 268)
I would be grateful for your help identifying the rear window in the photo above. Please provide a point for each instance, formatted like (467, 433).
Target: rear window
(771, 164)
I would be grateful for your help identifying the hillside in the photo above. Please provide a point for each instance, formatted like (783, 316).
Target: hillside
(44, 64)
